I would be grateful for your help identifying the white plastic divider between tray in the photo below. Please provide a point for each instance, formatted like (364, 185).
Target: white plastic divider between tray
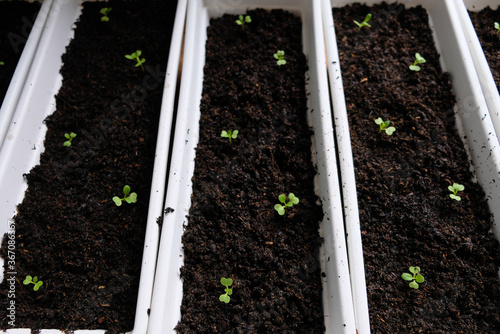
(23, 66)
(24, 142)
(473, 123)
(483, 70)
(167, 293)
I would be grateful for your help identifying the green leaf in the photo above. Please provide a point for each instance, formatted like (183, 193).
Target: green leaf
(415, 68)
(248, 19)
(27, 280)
(67, 143)
(414, 270)
(458, 187)
(117, 201)
(455, 197)
(224, 298)
(282, 198)
(419, 58)
(413, 285)
(280, 209)
(450, 188)
(224, 134)
(293, 199)
(234, 134)
(379, 121)
(390, 130)
(419, 278)
(407, 277)
(37, 285)
(132, 198)
(126, 190)
(226, 281)
(229, 291)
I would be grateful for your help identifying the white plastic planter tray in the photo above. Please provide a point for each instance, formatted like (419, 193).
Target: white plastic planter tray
(23, 66)
(24, 141)
(472, 119)
(167, 293)
(483, 70)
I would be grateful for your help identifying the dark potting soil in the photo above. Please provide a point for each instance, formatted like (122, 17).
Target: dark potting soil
(407, 217)
(16, 20)
(69, 233)
(234, 230)
(483, 22)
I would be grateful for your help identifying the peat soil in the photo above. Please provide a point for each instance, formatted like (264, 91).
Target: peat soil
(16, 20)
(407, 217)
(234, 230)
(483, 22)
(69, 233)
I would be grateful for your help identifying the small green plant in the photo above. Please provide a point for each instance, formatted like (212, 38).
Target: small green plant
(242, 20)
(415, 278)
(455, 188)
(2, 63)
(283, 199)
(418, 60)
(227, 282)
(128, 197)
(69, 137)
(33, 280)
(231, 134)
(137, 57)
(105, 11)
(497, 27)
(365, 22)
(280, 55)
(384, 126)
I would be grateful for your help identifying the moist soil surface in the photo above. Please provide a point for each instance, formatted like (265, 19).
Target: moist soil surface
(69, 233)
(16, 20)
(483, 22)
(407, 217)
(234, 230)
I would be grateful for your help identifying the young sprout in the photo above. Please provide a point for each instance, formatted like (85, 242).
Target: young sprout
(137, 57)
(282, 198)
(69, 137)
(132, 198)
(227, 282)
(497, 27)
(415, 278)
(455, 188)
(418, 60)
(365, 22)
(242, 20)
(2, 63)
(231, 134)
(105, 11)
(384, 126)
(33, 280)
(280, 55)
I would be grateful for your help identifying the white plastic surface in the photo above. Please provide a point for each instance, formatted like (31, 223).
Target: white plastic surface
(24, 141)
(472, 117)
(483, 70)
(23, 66)
(167, 293)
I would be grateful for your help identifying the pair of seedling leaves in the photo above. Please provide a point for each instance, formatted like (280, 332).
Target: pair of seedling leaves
(33, 280)
(418, 58)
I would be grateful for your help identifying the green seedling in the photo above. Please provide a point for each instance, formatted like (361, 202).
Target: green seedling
(231, 134)
(128, 197)
(280, 55)
(497, 27)
(137, 57)
(283, 199)
(415, 278)
(384, 126)
(33, 280)
(2, 63)
(455, 188)
(242, 20)
(69, 137)
(105, 11)
(418, 60)
(227, 282)
(365, 22)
